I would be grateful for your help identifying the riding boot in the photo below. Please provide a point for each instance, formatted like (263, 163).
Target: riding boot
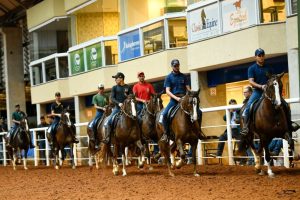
(106, 135)
(50, 138)
(293, 126)
(164, 138)
(31, 146)
(245, 129)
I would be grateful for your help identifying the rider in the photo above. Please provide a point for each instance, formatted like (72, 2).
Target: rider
(142, 91)
(100, 100)
(56, 109)
(176, 84)
(118, 95)
(257, 75)
(17, 116)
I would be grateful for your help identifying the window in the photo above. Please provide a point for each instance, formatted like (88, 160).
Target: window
(111, 52)
(37, 74)
(50, 70)
(63, 67)
(154, 39)
(293, 5)
(177, 32)
(272, 11)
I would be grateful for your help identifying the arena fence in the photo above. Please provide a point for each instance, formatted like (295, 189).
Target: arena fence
(41, 154)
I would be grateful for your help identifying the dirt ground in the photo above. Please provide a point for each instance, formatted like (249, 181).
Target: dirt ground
(215, 182)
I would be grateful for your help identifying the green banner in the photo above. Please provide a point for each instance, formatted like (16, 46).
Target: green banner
(94, 56)
(77, 62)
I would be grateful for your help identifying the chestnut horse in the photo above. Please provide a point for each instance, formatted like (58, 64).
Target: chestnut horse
(94, 153)
(20, 141)
(126, 133)
(184, 128)
(148, 116)
(268, 121)
(64, 137)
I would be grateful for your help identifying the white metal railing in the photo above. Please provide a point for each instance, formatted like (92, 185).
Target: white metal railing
(78, 148)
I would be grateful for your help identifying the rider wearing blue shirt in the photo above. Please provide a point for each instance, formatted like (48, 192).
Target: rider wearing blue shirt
(176, 84)
(257, 75)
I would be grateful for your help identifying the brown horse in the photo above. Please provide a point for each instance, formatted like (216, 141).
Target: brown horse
(64, 137)
(148, 117)
(20, 141)
(268, 121)
(184, 128)
(94, 153)
(126, 133)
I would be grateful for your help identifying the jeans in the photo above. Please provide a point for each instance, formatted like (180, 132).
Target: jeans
(275, 146)
(115, 110)
(98, 116)
(54, 124)
(139, 107)
(255, 95)
(224, 137)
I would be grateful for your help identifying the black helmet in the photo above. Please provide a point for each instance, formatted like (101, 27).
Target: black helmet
(175, 62)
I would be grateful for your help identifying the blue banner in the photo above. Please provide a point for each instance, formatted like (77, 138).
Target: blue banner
(130, 45)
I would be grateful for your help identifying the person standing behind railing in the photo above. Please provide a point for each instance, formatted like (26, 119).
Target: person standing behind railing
(41, 138)
(3, 128)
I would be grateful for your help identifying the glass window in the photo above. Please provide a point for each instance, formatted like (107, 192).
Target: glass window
(37, 74)
(272, 11)
(177, 32)
(63, 67)
(111, 52)
(293, 4)
(50, 70)
(189, 2)
(154, 39)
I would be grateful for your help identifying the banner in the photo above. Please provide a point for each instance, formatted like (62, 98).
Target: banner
(130, 45)
(203, 23)
(77, 62)
(238, 14)
(94, 56)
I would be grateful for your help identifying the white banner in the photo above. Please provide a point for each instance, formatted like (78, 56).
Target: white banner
(238, 14)
(203, 22)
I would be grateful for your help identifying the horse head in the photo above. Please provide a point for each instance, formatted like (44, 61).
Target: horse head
(24, 123)
(129, 106)
(190, 104)
(155, 104)
(65, 118)
(273, 91)
(108, 109)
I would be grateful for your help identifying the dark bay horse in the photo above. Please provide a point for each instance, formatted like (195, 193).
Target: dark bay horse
(94, 153)
(148, 117)
(20, 141)
(126, 133)
(268, 121)
(184, 128)
(64, 137)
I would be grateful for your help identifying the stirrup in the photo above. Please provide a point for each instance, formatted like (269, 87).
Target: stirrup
(245, 131)
(164, 138)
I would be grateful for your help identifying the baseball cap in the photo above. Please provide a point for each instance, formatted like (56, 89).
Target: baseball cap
(57, 94)
(139, 73)
(100, 85)
(259, 51)
(119, 75)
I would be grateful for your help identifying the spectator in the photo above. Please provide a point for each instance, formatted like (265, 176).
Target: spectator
(41, 138)
(235, 119)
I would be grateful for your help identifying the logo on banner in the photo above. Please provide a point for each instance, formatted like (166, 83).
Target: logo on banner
(77, 62)
(240, 16)
(93, 54)
(206, 23)
(130, 45)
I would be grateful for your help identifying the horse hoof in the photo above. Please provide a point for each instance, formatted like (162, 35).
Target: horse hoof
(56, 167)
(25, 168)
(15, 168)
(97, 167)
(116, 173)
(74, 167)
(150, 168)
(261, 173)
(271, 175)
(171, 174)
(196, 174)
(172, 167)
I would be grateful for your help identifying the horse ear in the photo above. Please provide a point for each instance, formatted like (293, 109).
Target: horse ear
(269, 75)
(280, 75)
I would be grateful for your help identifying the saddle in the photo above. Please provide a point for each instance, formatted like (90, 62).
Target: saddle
(115, 120)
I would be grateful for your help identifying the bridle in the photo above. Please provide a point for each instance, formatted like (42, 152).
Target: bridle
(124, 111)
(191, 114)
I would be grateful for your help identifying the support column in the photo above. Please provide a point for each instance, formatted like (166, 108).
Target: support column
(194, 80)
(14, 70)
(123, 8)
(38, 113)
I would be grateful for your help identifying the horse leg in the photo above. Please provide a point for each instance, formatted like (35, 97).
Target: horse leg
(268, 159)
(165, 151)
(194, 148)
(257, 160)
(14, 159)
(181, 161)
(25, 159)
(115, 160)
(72, 156)
(148, 155)
(142, 156)
(57, 152)
(123, 161)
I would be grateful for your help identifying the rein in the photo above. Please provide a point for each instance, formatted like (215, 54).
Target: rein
(128, 115)
(148, 111)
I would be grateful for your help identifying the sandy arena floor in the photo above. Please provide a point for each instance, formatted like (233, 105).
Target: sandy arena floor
(215, 182)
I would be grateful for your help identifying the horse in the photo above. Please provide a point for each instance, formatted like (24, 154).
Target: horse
(126, 133)
(64, 137)
(147, 124)
(94, 153)
(267, 122)
(184, 128)
(20, 141)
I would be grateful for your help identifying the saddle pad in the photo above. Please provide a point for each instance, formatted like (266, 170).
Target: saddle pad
(172, 112)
